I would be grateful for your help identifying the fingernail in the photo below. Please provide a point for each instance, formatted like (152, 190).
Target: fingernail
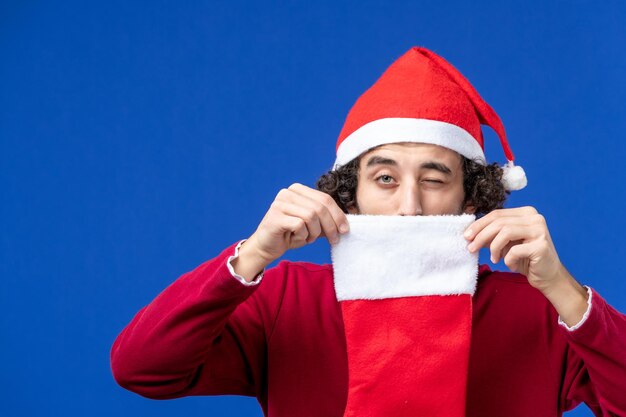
(343, 228)
(467, 233)
(470, 247)
(333, 239)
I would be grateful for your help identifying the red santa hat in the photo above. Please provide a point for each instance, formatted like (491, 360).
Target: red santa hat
(423, 98)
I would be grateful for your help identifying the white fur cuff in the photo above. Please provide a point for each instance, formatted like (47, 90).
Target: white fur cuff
(400, 256)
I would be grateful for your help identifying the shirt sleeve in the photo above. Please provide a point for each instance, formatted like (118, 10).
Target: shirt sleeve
(595, 361)
(205, 334)
(584, 318)
(241, 279)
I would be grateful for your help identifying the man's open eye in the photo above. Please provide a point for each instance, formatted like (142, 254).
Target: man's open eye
(385, 179)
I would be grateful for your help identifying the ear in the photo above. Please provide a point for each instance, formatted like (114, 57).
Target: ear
(469, 208)
(353, 209)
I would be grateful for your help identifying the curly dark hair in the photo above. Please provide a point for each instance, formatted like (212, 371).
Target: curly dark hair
(481, 183)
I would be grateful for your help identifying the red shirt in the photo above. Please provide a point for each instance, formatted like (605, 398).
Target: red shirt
(283, 342)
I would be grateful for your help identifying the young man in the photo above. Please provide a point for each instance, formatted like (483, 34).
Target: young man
(411, 146)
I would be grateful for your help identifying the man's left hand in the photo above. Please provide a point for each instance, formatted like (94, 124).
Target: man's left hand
(520, 236)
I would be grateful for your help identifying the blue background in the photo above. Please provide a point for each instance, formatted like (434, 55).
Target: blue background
(138, 139)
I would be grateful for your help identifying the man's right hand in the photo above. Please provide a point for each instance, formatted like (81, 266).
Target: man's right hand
(297, 216)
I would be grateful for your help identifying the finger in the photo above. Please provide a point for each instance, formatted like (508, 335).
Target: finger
(518, 257)
(328, 226)
(486, 235)
(307, 214)
(337, 215)
(507, 248)
(477, 226)
(505, 235)
(296, 230)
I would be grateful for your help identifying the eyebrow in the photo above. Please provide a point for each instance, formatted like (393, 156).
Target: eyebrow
(379, 160)
(437, 166)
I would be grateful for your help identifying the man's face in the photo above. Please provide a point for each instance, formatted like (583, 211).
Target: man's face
(410, 179)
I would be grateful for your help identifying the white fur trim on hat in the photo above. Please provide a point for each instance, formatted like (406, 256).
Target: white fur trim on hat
(401, 129)
(400, 256)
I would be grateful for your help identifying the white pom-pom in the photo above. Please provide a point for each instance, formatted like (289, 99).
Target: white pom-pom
(514, 177)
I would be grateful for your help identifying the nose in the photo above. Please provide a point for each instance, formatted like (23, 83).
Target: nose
(409, 204)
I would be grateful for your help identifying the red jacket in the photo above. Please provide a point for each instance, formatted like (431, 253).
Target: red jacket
(283, 342)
